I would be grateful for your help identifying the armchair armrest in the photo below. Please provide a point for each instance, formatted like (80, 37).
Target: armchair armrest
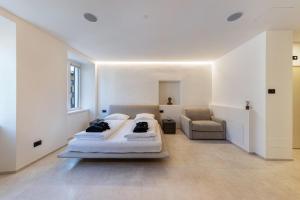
(186, 125)
(221, 121)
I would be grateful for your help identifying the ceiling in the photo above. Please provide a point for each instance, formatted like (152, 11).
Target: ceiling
(164, 30)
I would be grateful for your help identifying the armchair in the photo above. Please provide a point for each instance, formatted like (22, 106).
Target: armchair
(201, 124)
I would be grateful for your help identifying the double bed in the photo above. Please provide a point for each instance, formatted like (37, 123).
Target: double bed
(117, 146)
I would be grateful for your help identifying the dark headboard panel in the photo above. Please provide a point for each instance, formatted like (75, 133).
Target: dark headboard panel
(132, 110)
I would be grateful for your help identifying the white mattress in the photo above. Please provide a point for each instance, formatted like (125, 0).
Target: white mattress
(117, 143)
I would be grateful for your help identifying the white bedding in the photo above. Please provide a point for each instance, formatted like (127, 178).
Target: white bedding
(114, 125)
(117, 143)
(152, 132)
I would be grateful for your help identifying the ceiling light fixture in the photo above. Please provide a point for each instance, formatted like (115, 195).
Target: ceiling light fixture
(90, 17)
(235, 16)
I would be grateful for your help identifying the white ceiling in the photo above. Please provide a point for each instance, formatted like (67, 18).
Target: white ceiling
(174, 30)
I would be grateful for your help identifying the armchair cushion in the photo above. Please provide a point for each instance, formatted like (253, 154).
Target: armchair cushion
(198, 114)
(207, 126)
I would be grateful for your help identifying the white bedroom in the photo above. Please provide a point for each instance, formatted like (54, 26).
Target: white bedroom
(147, 100)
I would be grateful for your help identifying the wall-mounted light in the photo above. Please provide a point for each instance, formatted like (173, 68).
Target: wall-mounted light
(155, 62)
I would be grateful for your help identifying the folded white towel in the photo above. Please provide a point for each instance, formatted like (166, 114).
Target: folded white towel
(141, 135)
(142, 139)
(149, 135)
(91, 135)
(114, 125)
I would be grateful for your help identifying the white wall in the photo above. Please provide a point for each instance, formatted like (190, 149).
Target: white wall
(7, 95)
(140, 84)
(77, 121)
(240, 76)
(88, 89)
(34, 90)
(296, 36)
(169, 89)
(279, 121)
(245, 74)
(296, 91)
(296, 52)
(172, 112)
(238, 125)
(41, 93)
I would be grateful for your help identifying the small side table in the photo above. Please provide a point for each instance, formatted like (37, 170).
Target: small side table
(169, 126)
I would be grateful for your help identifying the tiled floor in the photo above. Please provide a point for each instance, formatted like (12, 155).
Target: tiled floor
(195, 170)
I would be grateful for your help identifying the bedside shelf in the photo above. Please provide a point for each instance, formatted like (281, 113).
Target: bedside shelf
(169, 126)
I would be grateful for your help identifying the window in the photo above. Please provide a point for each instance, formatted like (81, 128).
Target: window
(74, 88)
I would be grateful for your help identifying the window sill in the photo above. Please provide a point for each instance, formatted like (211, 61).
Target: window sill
(71, 112)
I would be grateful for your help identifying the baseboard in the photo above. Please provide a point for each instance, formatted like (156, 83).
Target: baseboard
(241, 148)
(272, 159)
(21, 168)
(279, 159)
(7, 172)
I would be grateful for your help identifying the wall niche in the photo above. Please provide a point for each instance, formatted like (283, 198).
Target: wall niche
(169, 89)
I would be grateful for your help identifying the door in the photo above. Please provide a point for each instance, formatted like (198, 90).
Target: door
(296, 107)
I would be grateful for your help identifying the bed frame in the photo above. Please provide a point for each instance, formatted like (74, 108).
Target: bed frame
(130, 110)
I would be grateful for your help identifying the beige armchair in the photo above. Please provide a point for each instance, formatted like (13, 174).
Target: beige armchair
(199, 123)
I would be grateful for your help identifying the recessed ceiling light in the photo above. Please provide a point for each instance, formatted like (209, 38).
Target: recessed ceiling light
(235, 16)
(90, 17)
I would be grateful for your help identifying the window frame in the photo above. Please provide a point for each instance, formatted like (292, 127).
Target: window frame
(76, 65)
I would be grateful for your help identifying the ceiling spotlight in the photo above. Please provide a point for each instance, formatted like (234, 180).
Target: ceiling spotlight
(234, 16)
(90, 17)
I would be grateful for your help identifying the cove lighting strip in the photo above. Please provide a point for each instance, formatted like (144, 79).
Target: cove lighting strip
(154, 62)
